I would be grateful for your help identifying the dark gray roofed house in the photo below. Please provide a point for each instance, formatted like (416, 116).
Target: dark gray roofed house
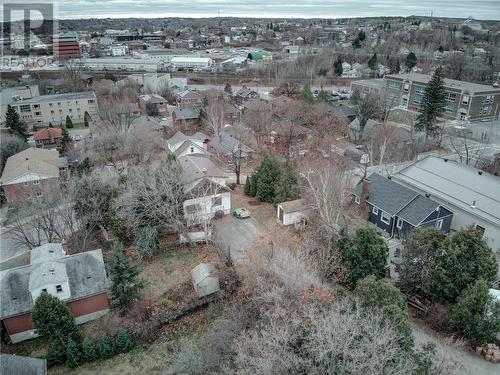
(397, 209)
(225, 144)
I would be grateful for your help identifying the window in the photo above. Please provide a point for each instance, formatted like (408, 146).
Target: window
(465, 99)
(38, 113)
(449, 108)
(52, 112)
(406, 86)
(394, 84)
(487, 100)
(59, 104)
(385, 218)
(44, 290)
(450, 97)
(192, 149)
(26, 183)
(217, 201)
(399, 224)
(36, 106)
(58, 288)
(39, 194)
(36, 182)
(417, 99)
(480, 229)
(420, 90)
(25, 108)
(486, 110)
(375, 210)
(50, 104)
(91, 101)
(439, 223)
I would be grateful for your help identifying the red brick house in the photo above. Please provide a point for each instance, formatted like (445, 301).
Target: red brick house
(32, 174)
(48, 137)
(186, 119)
(152, 105)
(188, 98)
(79, 280)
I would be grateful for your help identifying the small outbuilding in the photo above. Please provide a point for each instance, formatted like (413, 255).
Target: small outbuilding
(293, 212)
(205, 279)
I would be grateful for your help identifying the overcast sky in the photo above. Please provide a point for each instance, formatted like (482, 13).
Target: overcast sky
(480, 9)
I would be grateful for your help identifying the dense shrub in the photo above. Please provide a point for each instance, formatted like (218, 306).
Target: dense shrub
(106, 347)
(123, 342)
(147, 242)
(89, 350)
(73, 354)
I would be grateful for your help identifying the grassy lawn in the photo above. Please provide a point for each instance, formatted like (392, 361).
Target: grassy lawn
(401, 116)
(263, 213)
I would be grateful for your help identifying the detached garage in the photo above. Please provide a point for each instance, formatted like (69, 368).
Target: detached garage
(293, 212)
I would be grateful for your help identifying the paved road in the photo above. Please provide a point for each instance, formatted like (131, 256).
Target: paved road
(236, 234)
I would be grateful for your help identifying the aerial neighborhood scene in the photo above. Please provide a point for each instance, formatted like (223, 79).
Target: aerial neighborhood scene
(221, 187)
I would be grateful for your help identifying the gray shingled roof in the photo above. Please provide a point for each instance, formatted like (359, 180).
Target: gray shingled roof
(387, 195)
(420, 208)
(225, 143)
(15, 293)
(19, 365)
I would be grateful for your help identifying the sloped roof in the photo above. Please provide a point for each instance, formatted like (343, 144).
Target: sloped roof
(33, 160)
(419, 208)
(295, 206)
(386, 194)
(195, 167)
(186, 113)
(179, 137)
(225, 143)
(457, 184)
(145, 123)
(47, 133)
(185, 145)
(354, 125)
(86, 274)
(19, 365)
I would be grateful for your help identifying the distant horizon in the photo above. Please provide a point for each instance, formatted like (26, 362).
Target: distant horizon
(485, 10)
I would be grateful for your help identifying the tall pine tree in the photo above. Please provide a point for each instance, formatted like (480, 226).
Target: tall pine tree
(286, 188)
(269, 174)
(433, 105)
(65, 142)
(125, 282)
(15, 124)
(337, 67)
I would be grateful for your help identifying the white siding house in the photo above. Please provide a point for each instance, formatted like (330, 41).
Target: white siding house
(293, 212)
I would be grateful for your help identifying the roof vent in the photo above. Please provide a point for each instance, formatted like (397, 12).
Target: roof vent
(427, 195)
(473, 205)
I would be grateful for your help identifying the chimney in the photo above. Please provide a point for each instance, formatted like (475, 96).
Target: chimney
(365, 190)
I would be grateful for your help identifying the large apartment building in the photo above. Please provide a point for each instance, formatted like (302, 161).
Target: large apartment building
(464, 100)
(53, 109)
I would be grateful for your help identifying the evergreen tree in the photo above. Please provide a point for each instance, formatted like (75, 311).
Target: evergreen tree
(106, 347)
(373, 61)
(356, 43)
(247, 188)
(228, 89)
(476, 314)
(50, 125)
(411, 61)
(123, 342)
(269, 174)
(89, 349)
(51, 317)
(363, 254)
(57, 353)
(433, 105)
(66, 142)
(147, 242)
(337, 67)
(361, 36)
(286, 188)
(306, 95)
(73, 354)
(15, 124)
(86, 119)
(384, 295)
(69, 122)
(125, 282)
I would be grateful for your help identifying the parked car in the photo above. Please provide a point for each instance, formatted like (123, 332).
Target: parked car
(241, 213)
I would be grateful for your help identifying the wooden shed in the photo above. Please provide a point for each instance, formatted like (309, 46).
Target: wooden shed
(205, 279)
(293, 212)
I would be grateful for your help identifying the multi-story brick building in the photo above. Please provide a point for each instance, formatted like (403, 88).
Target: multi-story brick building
(53, 109)
(464, 100)
(66, 46)
(33, 174)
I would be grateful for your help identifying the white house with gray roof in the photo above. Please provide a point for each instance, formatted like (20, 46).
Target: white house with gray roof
(79, 280)
(182, 145)
(472, 195)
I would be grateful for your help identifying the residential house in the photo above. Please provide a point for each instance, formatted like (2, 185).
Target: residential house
(146, 124)
(282, 102)
(48, 137)
(189, 98)
(205, 189)
(472, 195)
(344, 112)
(244, 94)
(79, 280)
(397, 209)
(464, 100)
(33, 174)
(182, 145)
(12, 364)
(54, 109)
(186, 119)
(152, 105)
(224, 144)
